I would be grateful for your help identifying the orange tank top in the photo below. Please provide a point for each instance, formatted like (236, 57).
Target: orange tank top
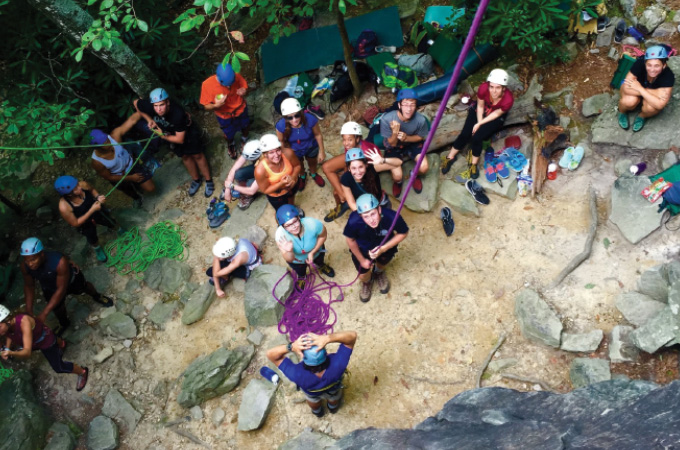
(275, 177)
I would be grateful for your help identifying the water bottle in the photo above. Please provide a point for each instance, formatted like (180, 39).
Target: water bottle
(269, 374)
(637, 169)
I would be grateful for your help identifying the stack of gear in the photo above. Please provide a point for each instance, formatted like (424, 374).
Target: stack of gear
(217, 212)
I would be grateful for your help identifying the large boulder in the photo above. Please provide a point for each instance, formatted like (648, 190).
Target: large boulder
(214, 375)
(60, 437)
(198, 303)
(637, 308)
(426, 200)
(261, 307)
(167, 275)
(581, 342)
(256, 401)
(132, 217)
(656, 333)
(525, 105)
(118, 326)
(654, 282)
(595, 105)
(23, 420)
(167, 179)
(241, 220)
(162, 312)
(99, 276)
(651, 18)
(635, 217)
(103, 434)
(117, 408)
(537, 321)
(458, 198)
(585, 371)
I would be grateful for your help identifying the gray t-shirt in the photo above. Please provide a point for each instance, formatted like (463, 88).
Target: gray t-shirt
(417, 125)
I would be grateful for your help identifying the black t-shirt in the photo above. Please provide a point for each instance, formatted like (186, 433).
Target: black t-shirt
(665, 79)
(173, 122)
(368, 238)
(358, 189)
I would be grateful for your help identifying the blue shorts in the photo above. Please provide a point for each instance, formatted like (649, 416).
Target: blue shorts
(311, 152)
(231, 126)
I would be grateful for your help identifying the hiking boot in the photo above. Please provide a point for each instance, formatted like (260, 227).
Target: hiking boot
(101, 254)
(396, 189)
(623, 120)
(366, 291)
(638, 124)
(318, 180)
(336, 212)
(209, 189)
(417, 184)
(82, 379)
(316, 111)
(193, 187)
(383, 282)
(302, 182)
(245, 201)
(477, 192)
(231, 149)
(327, 270)
(474, 172)
(448, 163)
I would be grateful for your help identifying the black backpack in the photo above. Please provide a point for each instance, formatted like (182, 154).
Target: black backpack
(366, 43)
(280, 97)
(342, 87)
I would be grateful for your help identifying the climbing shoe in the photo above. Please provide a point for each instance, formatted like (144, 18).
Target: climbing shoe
(82, 379)
(396, 189)
(245, 201)
(463, 176)
(474, 172)
(327, 270)
(623, 120)
(302, 182)
(318, 180)
(209, 188)
(448, 163)
(366, 291)
(336, 212)
(383, 282)
(417, 184)
(103, 300)
(638, 124)
(193, 187)
(101, 254)
(231, 149)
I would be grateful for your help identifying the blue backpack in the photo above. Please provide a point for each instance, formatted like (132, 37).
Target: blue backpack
(366, 43)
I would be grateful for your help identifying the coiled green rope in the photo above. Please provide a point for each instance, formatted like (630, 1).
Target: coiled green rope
(129, 253)
(5, 373)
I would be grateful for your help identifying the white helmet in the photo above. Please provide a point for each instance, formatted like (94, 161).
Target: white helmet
(290, 106)
(4, 313)
(351, 128)
(224, 248)
(269, 142)
(498, 76)
(251, 151)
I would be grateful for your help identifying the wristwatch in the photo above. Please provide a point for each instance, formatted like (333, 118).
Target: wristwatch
(289, 347)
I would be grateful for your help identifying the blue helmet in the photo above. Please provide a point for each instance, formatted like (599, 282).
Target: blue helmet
(353, 154)
(225, 74)
(285, 213)
(367, 202)
(407, 94)
(65, 184)
(158, 95)
(98, 137)
(656, 52)
(313, 358)
(31, 246)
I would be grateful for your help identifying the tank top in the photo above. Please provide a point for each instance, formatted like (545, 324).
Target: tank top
(121, 162)
(244, 245)
(43, 337)
(275, 177)
(84, 207)
(47, 273)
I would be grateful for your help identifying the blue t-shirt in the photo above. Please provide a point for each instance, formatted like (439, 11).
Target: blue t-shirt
(307, 380)
(369, 238)
(303, 245)
(302, 138)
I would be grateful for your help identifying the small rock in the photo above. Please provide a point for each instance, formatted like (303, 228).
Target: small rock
(256, 337)
(127, 343)
(665, 30)
(217, 417)
(198, 304)
(261, 309)
(613, 54)
(594, 50)
(654, 283)
(630, 40)
(582, 342)
(638, 308)
(257, 399)
(62, 437)
(103, 355)
(372, 100)
(537, 321)
(585, 371)
(196, 413)
(668, 159)
(103, 434)
(595, 105)
(622, 167)
(651, 18)
(656, 333)
(117, 407)
(621, 349)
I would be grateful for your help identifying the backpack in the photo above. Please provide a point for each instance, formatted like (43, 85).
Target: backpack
(278, 99)
(400, 77)
(366, 43)
(342, 87)
(422, 63)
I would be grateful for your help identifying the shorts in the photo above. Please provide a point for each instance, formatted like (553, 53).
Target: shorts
(281, 200)
(193, 143)
(241, 272)
(311, 152)
(231, 126)
(333, 395)
(245, 173)
(383, 259)
(410, 151)
(301, 268)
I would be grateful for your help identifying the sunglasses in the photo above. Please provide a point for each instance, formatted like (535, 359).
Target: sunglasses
(294, 116)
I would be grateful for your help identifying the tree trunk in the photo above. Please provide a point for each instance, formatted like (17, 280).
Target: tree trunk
(347, 51)
(74, 22)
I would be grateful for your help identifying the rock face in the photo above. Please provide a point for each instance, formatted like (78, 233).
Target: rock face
(260, 306)
(198, 303)
(213, 375)
(23, 420)
(256, 401)
(595, 105)
(635, 217)
(119, 326)
(60, 437)
(537, 320)
(117, 408)
(585, 371)
(103, 434)
(497, 418)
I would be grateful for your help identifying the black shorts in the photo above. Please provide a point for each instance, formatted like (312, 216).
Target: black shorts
(75, 287)
(410, 151)
(383, 259)
(281, 200)
(193, 143)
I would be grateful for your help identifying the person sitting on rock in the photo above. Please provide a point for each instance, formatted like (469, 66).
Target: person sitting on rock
(301, 241)
(365, 230)
(241, 178)
(404, 132)
(82, 207)
(58, 278)
(29, 334)
(362, 178)
(277, 172)
(484, 118)
(650, 82)
(114, 162)
(319, 375)
(232, 259)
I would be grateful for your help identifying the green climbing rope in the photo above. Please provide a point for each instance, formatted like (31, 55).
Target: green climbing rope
(5, 373)
(129, 253)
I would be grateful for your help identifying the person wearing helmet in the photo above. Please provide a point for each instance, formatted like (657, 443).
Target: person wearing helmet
(484, 118)
(225, 94)
(114, 162)
(366, 228)
(232, 259)
(335, 167)
(319, 374)
(241, 178)
(299, 130)
(172, 124)
(362, 178)
(649, 84)
(301, 241)
(277, 172)
(29, 334)
(404, 131)
(58, 277)
(82, 207)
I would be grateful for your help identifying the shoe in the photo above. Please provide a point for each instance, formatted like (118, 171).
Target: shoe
(620, 31)
(383, 282)
(333, 409)
(222, 194)
(463, 176)
(638, 124)
(623, 120)
(501, 168)
(302, 182)
(577, 157)
(193, 188)
(489, 168)
(396, 189)
(220, 215)
(474, 172)
(477, 192)
(447, 221)
(602, 23)
(327, 270)
(448, 163)
(231, 149)
(105, 301)
(316, 111)
(318, 179)
(82, 380)
(417, 184)
(101, 254)
(319, 412)
(336, 212)
(366, 291)
(209, 189)
(245, 201)
(566, 158)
